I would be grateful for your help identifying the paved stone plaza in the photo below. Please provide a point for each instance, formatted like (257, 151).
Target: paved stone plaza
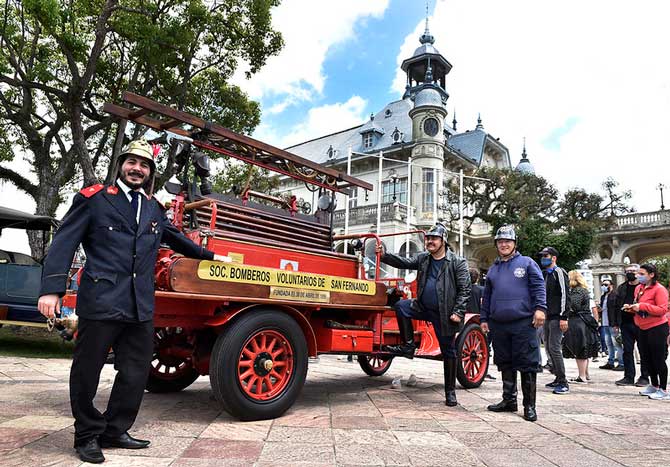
(344, 417)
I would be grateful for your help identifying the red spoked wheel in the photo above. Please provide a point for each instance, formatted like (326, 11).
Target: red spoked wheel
(170, 372)
(259, 364)
(473, 356)
(265, 365)
(375, 365)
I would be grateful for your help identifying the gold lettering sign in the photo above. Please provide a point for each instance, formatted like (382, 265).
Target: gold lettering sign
(242, 273)
(299, 295)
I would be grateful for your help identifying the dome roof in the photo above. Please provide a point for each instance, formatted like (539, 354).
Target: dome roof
(524, 164)
(425, 49)
(525, 167)
(428, 96)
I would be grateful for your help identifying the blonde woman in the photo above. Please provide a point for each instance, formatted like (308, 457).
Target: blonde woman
(581, 341)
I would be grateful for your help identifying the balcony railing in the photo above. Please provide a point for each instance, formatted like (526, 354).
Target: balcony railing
(368, 214)
(643, 219)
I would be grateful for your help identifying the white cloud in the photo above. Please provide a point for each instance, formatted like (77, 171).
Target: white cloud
(310, 29)
(319, 121)
(531, 68)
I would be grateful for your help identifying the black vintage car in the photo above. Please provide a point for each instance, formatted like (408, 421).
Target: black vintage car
(20, 274)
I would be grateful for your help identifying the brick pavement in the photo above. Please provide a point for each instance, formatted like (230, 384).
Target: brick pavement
(344, 417)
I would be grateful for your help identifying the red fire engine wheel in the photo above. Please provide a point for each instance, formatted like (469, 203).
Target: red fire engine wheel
(259, 365)
(169, 373)
(375, 365)
(265, 365)
(474, 356)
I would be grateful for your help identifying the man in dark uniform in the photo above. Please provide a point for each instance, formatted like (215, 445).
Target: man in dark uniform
(120, 228)
(443, 289)
(513, 307)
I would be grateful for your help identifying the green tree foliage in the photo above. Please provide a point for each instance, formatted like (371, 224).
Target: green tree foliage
(541, 216)
(236, 176)
(60, 60)
(662, 264)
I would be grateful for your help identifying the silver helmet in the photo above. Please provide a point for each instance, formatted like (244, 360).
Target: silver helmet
(505, 232)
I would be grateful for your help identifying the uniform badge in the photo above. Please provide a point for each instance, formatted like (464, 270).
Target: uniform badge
(112, 190)
(154, 227)
(519, 272)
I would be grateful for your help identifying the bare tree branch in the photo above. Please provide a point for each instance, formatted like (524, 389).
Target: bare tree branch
(19, 181)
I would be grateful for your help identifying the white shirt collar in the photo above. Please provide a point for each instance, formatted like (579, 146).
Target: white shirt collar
(126, 189)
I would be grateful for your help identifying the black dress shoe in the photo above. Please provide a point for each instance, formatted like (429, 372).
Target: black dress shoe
(505, 405)
(530, 414)
(642, 382)
(90, 451)
(451, 399)
(124, 441)
(402, 350)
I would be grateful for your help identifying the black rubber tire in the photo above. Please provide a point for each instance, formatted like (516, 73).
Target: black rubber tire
(364, 363)
(158, 383)
(460, 371)
(224, 365)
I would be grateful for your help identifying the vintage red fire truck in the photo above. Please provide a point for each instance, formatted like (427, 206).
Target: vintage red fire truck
(253, 324)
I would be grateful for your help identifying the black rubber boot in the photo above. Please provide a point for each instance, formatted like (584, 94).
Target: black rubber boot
(450, 381)
(508, 402)
(529, 388)
(407, 346)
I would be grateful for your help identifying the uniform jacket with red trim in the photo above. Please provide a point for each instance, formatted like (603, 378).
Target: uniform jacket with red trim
(118, 279)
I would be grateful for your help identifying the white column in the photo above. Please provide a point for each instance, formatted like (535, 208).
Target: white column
(409, 204)
(436, 178)
(460, 210)
(379, 194)
(346, 205)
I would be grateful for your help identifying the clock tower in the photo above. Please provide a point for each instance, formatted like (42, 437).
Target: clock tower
(426, 71)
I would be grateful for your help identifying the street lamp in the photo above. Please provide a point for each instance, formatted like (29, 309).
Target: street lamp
(660, 188)
(393, 177)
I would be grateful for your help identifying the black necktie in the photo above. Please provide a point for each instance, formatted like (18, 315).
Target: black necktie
(134, 203)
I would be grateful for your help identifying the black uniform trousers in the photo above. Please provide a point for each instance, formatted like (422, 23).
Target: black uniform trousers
(630, 334)
(515, 345)
(132, 343)
(447, 343)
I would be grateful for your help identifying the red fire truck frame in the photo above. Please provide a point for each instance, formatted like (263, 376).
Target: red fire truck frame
(253, 324)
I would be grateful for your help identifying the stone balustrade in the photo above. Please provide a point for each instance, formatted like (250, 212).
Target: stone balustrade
(643, 219)
(368, 214)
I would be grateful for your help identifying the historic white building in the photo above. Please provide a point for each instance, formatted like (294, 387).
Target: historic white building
(417, 153)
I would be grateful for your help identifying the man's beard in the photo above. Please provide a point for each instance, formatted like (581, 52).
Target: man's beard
(133, 185)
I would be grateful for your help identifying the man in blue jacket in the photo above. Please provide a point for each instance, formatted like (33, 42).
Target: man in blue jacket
(121, 228)
(513, 307)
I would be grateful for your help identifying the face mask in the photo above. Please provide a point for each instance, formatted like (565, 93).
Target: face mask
(631, 276)
(604, 289)
(642, 279)
(545, 262)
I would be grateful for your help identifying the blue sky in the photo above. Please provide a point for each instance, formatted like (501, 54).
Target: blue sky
(586, 83)
(364, 65)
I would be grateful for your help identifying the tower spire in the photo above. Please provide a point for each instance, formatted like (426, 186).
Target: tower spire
(453, 122)
(479, 122)
(524, 165)
(427, 37)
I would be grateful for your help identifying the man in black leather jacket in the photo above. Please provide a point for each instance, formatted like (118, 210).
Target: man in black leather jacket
(443, 290)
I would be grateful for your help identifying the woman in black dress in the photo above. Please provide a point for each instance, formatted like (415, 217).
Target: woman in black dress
(581, 341)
